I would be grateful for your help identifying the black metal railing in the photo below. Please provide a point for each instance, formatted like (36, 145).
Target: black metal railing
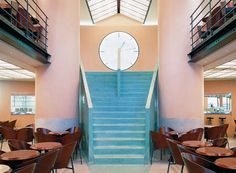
(210, 17)
(27, 18)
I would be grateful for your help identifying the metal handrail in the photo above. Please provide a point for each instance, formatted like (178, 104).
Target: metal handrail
(29, 32)
(86, 88)
(152, 88)
(196, 19)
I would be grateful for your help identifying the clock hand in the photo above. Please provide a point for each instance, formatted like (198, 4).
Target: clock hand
(122, 44)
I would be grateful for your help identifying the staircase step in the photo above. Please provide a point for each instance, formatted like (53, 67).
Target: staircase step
(119, 108)
(101, 150)
(122, 134)
(99, 120)
(119, 159)
(119, 114)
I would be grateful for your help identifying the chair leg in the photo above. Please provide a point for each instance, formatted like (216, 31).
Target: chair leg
(182, 168)
(168, 169)
(1, 143)
(161, 153)
(80, 155)
(72, 164)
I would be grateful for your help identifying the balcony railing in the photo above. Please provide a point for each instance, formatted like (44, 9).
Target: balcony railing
(28, 19)
(209, 18)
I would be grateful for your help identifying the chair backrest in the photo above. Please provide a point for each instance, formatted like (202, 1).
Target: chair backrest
(203, 161)
(185, 149)
(4, 123)
(41, 137)
(8, 133)
(26, 169)
(15, 144)
(46, 162)
(158, 140)
(215, 19)
(220, 142)
(43, 130)
(25, 134)
(224, 129)
(12, 124)
(64, 155)
(70, 137)
(195, 134)
(213, 132)
(175, 152)
(194, 167)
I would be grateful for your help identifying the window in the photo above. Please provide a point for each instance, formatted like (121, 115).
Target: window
(22, 104)
(218, 104)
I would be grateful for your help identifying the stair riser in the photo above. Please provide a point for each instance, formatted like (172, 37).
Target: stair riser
(121, 135)
(118, 143)
(106, 103)
(121, 108)
(116, 99)
(114, 95)
(119, 161)
(118, 151)
(121, 128)
(121, 115)
(119, 121)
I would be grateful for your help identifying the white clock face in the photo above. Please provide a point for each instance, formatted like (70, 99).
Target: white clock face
(119, 51)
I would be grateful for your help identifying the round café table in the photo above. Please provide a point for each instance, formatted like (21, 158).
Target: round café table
(228, 163)
(214, 151)
(5, 169)
(196, 144)
(19, 155)
(45, 146)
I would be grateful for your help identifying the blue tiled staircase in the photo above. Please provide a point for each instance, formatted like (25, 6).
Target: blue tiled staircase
(119, 122)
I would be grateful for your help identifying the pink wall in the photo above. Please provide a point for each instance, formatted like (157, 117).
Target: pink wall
(7, 88)
(181, 83)
(57, 83)
(220, 87)
(91, 37)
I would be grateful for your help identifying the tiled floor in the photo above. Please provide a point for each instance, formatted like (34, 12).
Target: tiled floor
(157, 166)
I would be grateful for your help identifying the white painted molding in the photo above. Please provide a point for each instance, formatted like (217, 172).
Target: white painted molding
(87, 93)
(151, 89)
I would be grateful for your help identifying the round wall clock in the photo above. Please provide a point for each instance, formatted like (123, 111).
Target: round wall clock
(119, 51)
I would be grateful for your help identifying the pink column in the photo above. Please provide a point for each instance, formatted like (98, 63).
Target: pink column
(181, 83)
(57, 83)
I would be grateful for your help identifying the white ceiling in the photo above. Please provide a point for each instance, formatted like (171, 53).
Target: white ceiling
(224, 71)
(12, 72)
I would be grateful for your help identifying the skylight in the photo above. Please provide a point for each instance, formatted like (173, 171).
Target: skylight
(12, 72)
(224, 71)
(102, 9)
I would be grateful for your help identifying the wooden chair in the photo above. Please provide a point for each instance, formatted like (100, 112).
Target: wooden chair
(220, 142)
(46, 162)
(25, 134)
(15, 144)
(41, 137)
(158, 142)
(194, 167)
(11, 124)
(213, 132)
(7, 133)
(215, 19)
(73, 137)
(195, 134)
(26, 169)
(175, 157)
(65, 156)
